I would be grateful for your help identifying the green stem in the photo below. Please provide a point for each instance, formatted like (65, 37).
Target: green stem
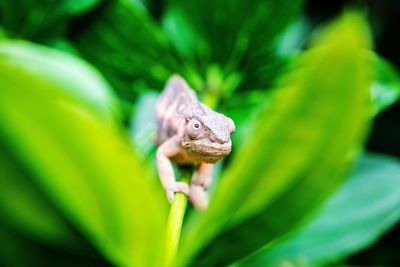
(174, 223)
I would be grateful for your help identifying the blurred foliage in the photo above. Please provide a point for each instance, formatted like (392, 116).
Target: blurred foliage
(75, 184)
(40, 20)
(338, 230)
(128, 47)
(280, 129)
(79, 158)
(385, 90)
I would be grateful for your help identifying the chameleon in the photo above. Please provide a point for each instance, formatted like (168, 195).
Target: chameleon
(189, 133)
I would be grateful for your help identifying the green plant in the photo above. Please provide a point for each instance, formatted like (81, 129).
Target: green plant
(72, 177)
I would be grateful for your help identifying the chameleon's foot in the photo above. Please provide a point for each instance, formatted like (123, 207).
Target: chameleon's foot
(199, 197)
(177, 187)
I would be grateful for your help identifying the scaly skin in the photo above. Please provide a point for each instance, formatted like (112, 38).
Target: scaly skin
(189, 133)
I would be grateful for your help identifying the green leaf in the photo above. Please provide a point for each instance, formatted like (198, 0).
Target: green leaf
(299, 151)
(226, 32)
(24, 58)
(40, 20)
(128, 47)
(83, 163)
(386, 86)
(25, 209)
(17, 250)
(144, 125)
(241, 106)
(78, 7)
(366, 206)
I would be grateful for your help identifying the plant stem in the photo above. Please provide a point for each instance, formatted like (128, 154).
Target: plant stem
(174, 223)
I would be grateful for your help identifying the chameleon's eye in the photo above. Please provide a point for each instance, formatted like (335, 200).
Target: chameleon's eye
(195, 129)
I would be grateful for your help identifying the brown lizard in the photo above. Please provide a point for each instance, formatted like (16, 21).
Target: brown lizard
(189, 133)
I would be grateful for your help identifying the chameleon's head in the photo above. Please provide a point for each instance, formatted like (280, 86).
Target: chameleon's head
(207, 135)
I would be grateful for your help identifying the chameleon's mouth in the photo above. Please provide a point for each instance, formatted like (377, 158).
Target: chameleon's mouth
(209, 152)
